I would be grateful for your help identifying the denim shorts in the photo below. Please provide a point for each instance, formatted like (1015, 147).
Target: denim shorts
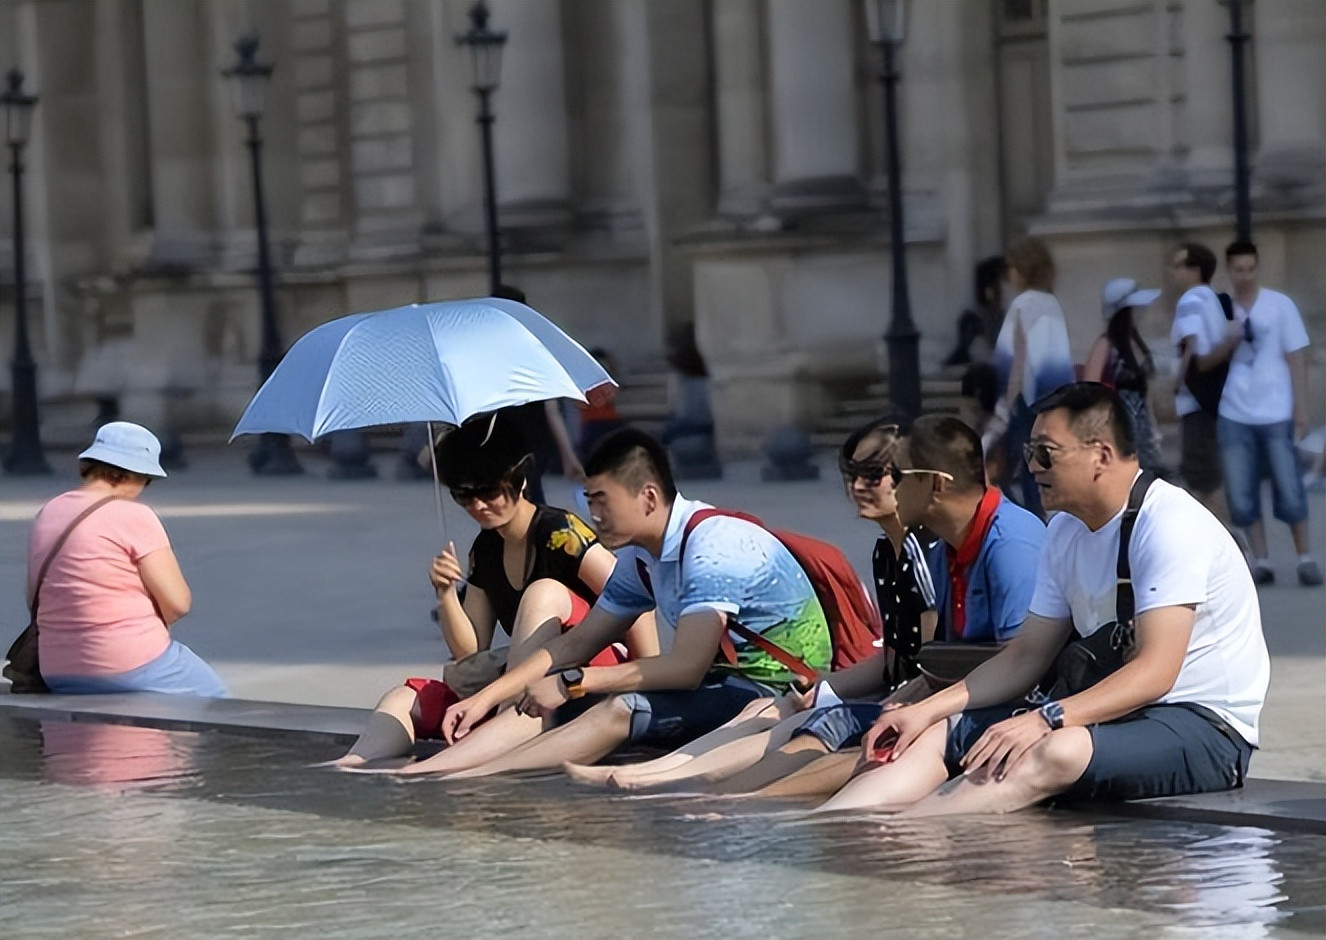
(178, 670)
(1161, 750)
(841, 726)
(672, 718)
(1250, 452)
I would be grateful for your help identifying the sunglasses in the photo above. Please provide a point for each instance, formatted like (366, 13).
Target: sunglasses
(897, 474)
(483, 494)
(872, 472)
(1042, 455)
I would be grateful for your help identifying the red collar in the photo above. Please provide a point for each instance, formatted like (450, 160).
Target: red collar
(961, 560)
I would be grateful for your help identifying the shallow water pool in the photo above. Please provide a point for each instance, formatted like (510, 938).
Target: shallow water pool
(118, 831)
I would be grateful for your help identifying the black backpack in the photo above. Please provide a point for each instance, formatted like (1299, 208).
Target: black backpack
(1207, 386)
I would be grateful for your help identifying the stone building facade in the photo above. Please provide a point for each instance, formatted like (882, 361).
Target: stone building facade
(716, 162)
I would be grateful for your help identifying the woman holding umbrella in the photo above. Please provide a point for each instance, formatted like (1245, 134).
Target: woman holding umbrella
(533, 570)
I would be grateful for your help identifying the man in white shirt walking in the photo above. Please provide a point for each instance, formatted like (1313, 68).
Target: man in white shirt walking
(1262, 413)
(1205, 339)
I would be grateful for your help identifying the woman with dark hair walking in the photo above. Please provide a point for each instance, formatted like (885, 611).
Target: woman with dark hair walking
(1121, 359)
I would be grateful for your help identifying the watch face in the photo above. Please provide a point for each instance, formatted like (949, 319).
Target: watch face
(1053, 713)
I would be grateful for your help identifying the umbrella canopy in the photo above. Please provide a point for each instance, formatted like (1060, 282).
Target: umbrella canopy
(444, 362)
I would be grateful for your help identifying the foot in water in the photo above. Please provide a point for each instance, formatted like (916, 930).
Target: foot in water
(383, 765)
(599, 775)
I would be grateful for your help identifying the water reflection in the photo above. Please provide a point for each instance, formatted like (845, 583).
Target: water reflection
(115, 756)
(249, 836)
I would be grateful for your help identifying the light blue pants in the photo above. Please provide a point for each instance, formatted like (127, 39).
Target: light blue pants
(179, 670)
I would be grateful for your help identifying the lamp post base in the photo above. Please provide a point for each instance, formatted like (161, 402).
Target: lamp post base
(22, 462)
(273, 457)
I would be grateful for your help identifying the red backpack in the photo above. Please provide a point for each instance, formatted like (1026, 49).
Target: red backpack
(854, 623)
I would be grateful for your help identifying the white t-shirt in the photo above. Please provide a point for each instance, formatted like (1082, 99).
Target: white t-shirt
(1179, 554)
(1259, 390)
(1199, 316)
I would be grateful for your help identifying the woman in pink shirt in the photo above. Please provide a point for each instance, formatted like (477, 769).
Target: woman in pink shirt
(114, 588)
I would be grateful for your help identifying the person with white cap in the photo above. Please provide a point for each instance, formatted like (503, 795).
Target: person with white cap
(1121, 359)
(105, 582)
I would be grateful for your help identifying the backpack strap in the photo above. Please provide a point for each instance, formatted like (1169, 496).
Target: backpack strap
(59, 544)
(792, 663)
(1124, 601)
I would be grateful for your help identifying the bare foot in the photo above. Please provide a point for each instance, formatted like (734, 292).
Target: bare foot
(593, 774)
(383, 765)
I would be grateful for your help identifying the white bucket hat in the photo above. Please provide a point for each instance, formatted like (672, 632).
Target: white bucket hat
(128, 446)
(1123, 292)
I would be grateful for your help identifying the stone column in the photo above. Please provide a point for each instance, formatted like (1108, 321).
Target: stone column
(530, 134)
(1290, 87)
(739, 95)
(816, 149)
(1207, 125)
(181, 132)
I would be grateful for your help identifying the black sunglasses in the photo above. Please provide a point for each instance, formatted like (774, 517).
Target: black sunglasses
(872, 472)
(468, 494)
(1042, 455)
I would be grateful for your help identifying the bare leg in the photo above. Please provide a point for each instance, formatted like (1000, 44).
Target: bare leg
(588, 738)
(389, 732)
(758, 715)
(801, 768)
(897, 785)
(492, 739)
(725, 760)
(544, 607)
(1299, 530)
(1050, 767)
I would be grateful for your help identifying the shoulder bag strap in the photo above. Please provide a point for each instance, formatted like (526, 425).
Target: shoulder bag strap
(59, 544)
(1124, 602)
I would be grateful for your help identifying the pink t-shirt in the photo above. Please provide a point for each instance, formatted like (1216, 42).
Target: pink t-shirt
(96, 616)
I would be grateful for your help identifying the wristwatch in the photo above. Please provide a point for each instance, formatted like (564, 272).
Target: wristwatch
(1053, 713)
(572, 680)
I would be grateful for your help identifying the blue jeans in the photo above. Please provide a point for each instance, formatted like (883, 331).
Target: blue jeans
(179, 670)
(1249, 452)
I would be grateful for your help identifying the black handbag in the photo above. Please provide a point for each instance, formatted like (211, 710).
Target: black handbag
(1085, 660)
(1207, 387)
(24, 667)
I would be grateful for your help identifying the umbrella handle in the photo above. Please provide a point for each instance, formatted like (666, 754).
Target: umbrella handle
(437, 485)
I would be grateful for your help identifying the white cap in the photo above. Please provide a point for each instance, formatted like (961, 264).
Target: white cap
(1123, 292)
(128, 446)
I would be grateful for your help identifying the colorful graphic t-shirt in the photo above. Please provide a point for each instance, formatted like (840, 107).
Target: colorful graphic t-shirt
(732, 567)
(557, 542)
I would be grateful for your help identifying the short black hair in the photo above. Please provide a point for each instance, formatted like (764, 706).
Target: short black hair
(885, 433)
(489, 450)
(1196, 255)
(1240, 248)
(943, 442)
(1092, 408)
(633, 458)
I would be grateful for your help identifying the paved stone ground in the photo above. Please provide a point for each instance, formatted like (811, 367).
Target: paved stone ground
(309, 590)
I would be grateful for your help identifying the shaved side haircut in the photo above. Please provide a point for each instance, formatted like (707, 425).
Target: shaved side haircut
(633, 458)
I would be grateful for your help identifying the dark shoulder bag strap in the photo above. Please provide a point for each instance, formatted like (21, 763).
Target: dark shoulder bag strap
(1124, 601)
(59, 544)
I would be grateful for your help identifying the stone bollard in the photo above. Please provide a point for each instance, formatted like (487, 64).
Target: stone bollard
(788, 454)
(694, 457)
(350, 456)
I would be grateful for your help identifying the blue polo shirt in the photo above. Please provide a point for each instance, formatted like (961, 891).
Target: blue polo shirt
(1000, 582)
(732, 567)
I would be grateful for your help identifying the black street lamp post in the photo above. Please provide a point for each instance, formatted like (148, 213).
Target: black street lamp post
(272, 456)
(485, 47)
(25, 457)
(886, 19)
(1238, 41)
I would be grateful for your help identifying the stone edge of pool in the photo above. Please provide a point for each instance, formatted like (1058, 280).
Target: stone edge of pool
(1283, 805)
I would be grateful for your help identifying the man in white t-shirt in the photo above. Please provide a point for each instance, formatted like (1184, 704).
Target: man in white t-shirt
(1262, 412)
(1205, 339)
(1179, 716)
